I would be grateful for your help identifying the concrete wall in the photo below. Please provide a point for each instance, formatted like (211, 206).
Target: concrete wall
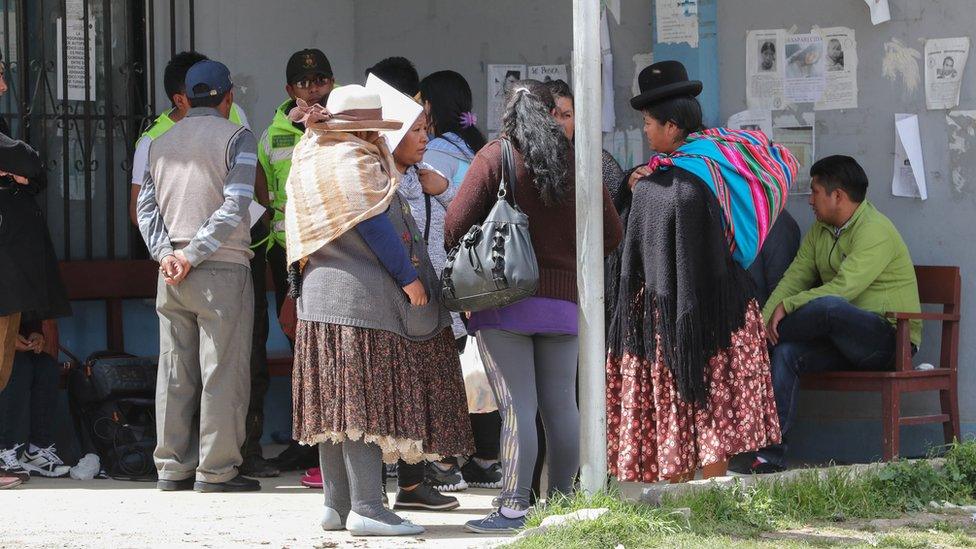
(254, 39)
(937, 231)
(466, 36)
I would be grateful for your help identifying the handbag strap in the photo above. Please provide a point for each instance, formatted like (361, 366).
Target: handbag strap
(509, 179)
(427, 222)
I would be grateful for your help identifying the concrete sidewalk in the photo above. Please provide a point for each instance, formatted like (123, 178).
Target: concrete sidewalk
(111, 513)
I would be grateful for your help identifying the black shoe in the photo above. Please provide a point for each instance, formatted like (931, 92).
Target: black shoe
(296, 458)
(256, 466)
(424, 497)
(444, 481)
(480, 477)
(755, 467)
(237, 484)
(175, 485)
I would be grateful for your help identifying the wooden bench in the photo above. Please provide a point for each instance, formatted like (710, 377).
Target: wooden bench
(938, 286)
(117, 280)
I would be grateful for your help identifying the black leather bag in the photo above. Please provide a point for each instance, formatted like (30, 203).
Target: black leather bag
(495, 264)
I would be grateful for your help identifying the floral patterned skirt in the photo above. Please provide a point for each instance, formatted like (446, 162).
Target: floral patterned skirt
(653, 434)
(405, 396)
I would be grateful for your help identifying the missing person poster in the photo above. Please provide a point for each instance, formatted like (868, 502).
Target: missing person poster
(840, 70)
(796, 133)
(805, 68)
(500, 79)
(945, 61)
(764, 69)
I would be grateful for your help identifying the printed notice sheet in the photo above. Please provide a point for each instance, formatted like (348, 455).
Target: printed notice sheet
(909, 175)
(840, 71)
(547, 73)
(752, 120)
(962, 141)
(765, 68)
(500, 78)
(879, 11)
(945, 60)
(796, 133)
(805, 68)
(677, 21)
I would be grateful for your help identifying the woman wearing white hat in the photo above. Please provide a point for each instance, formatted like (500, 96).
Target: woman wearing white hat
(376, 372)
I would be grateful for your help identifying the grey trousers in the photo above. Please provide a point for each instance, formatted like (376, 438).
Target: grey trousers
(203, 382)
(532, 373)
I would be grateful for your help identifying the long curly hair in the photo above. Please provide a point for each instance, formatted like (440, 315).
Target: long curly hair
(529, 123)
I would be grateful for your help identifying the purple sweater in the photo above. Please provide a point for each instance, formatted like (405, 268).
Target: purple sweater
(535, 315)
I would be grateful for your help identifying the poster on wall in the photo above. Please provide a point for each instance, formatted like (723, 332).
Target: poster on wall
(945, 61)
(962, 141)
(677, 21)
(879, 11)
(804, 80)
(752, 120)
(74, 53)
(764, 69)
(796, 133)
(548, 73)
(908, 179)
(840, 71)
(500, 78)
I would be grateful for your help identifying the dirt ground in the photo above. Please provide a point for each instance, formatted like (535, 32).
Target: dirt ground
(110, 513)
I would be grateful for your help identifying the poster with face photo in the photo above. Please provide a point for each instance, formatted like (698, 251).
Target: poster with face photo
(805, 59)
(764, 69)
(500, 79)
(945, 61)
(840, 61)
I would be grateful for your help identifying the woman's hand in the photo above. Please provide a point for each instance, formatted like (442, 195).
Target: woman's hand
(17, 179)
(636, 175)
(432, 182)
(416, 292)
(36, 342)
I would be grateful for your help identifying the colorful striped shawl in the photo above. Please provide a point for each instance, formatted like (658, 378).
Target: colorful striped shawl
(749, 175)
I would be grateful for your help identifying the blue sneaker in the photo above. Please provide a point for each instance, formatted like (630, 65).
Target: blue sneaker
(495, 523)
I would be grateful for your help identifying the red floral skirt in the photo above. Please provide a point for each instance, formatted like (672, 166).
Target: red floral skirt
(653, 434)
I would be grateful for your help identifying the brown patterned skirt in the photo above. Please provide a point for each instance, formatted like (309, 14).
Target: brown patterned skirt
(405, 396)
(653, 434)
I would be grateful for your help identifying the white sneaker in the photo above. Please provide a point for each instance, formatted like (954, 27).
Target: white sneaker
(45, 462)
(10, 465)
(359, 525)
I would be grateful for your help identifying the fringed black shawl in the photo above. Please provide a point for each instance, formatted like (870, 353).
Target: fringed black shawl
(694, 294)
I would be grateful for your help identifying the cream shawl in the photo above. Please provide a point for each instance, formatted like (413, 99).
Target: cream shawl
(336, 181)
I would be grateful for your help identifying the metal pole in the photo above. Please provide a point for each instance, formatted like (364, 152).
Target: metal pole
(589, 244)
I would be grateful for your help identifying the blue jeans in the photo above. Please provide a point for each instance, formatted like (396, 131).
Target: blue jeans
(827, 333)
(29, 402)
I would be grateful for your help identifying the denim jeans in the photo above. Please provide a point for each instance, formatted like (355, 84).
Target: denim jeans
(827, 333)
(29, 402)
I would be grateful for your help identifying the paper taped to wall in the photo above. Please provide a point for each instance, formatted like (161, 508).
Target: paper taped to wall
(546, 73)
(500, 77)
(677, 21)
(962, 140)
(752, 120)
(945, 61)
(879, 11)
(909, 174)
(796, 133)
(840, 91)
(764, 69)
(805, 67)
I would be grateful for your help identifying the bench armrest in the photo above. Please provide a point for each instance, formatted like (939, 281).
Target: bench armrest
(923, 316)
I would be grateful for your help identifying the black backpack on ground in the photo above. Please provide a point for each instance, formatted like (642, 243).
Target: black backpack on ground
(112, 401)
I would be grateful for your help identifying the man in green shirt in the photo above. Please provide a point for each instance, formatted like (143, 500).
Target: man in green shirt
(827, 313)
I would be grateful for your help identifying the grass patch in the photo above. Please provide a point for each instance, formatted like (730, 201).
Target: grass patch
(739, 515)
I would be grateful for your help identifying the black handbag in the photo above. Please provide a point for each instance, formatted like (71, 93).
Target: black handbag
(495, 264)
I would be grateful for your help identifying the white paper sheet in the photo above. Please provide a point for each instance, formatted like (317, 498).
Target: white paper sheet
(752, 120)
(962, 140)
(796, 132)
(805, 67)
(945, 61)
(764, 69)
(841, 69)
(396, 106)
(677, 21)
(606, 75)
(641, 62)
(75, 52)
(500, 77)
(879, 11)
(909, 174)
(546, 73)
(626, 147)
(255, 210)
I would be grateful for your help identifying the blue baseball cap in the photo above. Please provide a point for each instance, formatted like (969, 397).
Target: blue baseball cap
(207, 78)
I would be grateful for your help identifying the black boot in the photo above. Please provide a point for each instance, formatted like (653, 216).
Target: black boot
(296, 458)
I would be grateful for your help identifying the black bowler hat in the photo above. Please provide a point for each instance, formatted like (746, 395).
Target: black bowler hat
(664, 80)
(307, 63)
